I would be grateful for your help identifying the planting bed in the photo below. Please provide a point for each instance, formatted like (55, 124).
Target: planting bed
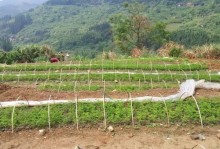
(111, 79)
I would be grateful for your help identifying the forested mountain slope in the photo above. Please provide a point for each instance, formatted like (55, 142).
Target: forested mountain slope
(84, 25)
(14, 7)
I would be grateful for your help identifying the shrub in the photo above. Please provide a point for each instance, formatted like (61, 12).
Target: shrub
(175, 52)
(166, 48)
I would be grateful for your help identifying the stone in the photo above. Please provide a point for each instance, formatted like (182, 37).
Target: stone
(197, 137)
(77, 147)
(194, 137)
(116, 81)
(42, 132)
(110, 129)
(201, 137)
(131, 135)
(218, 135)
(92, 147)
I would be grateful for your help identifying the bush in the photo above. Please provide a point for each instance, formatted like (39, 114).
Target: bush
(207, 51)
(165, 50)
(176, 52)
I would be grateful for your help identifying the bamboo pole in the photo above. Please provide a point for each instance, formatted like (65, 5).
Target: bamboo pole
(76, 106)
(185, 74)
(132, 110)
(12, 116)
(139, 84)
(165, 83)
(104, 111)
(171, 75)
(104, 86)
(167, 112)
(48, 113)
(200, 116)
(151, 83)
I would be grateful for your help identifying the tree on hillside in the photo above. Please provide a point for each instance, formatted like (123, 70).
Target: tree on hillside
(130, 28)
(5, 44)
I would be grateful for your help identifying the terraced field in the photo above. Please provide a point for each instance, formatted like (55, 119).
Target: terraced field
(114, 79)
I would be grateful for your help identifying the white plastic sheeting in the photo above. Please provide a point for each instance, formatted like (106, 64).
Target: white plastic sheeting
(187, 89)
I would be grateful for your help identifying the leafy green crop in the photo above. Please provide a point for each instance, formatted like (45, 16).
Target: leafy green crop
(145, 113)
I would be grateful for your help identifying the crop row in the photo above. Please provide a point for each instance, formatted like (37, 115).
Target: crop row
(109, 66)
(145, 113)
(110, 77)
(139, 86)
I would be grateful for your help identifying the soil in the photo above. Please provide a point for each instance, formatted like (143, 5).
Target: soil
(213, 64)
(8, 93)
(122, 138)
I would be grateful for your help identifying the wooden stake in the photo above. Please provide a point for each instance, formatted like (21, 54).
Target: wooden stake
(104, 112)
(49, 112)
(151, 66)
(104, 86)
(77, 119)
(200, 116)
(197, 74)
(12, 116)
(74, 89)
(132, 111)
(59, 86)
(185, 74)
(151, 83)
(167, 112)
(139, 84)
(129, 75)
(165, 83)
(171, 75)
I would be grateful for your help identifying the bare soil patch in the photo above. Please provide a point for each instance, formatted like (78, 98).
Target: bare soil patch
(213, 64)
(8, 93)
(121, 138)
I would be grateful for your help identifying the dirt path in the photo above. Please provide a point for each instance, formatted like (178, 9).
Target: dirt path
(121, 138)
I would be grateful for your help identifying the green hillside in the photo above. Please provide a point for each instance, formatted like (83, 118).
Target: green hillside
(82, 26)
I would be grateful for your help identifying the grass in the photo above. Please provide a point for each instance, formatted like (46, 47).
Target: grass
(145, 113)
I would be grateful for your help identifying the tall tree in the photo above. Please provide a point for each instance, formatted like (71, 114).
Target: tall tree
(131, 27)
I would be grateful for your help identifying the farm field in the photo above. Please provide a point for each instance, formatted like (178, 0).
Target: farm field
(114, 79)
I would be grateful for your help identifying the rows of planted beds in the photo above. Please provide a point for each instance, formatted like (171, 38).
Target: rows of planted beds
(145, 113)
(109, 86)
(111, 77)
(106, 66)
